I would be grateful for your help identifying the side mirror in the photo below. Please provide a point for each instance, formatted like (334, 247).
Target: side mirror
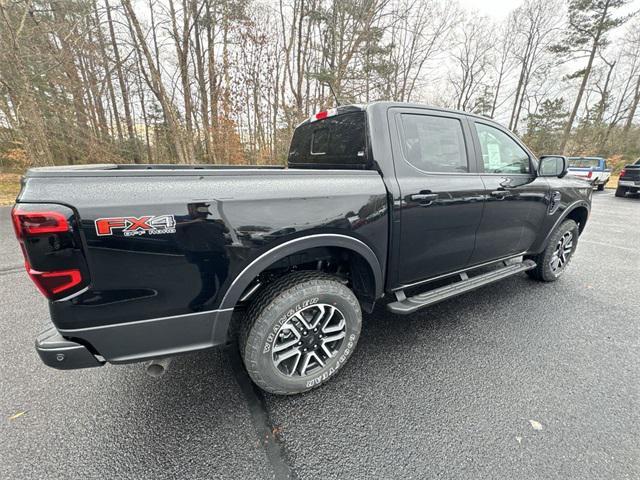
(553, 166)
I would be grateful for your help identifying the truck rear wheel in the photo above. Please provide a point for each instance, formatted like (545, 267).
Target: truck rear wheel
(601, 186)
(299, 331)
(621, 192)
(553, 261)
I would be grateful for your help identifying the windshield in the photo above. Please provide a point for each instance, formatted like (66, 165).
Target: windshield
(584, 162)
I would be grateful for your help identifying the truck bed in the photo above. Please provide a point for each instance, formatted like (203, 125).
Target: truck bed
(110, 169)
(223, 219)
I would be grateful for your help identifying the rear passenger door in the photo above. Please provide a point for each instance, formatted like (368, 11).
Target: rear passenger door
(441, 192)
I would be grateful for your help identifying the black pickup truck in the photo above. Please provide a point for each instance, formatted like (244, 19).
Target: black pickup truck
(143, 262)
(629, 180)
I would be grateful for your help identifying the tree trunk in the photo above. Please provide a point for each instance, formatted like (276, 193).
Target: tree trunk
(633, 109)
(156, 85)
(123, 87)
(202, 83)
(23, 97)
(107, 73)
(585, 78)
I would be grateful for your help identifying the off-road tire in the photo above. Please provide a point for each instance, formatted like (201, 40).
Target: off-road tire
(621, 192)
(543, 271)
(270, 310)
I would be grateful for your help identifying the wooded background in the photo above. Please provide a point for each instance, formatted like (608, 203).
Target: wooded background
(227, 81)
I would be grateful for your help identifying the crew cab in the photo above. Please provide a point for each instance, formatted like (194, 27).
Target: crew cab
(629, 180)
(592, 169)
(144, 262)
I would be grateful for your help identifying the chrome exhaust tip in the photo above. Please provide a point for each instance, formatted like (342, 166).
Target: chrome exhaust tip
(158, 367)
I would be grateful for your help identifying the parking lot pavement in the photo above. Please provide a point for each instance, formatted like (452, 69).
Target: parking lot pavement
(516, 380)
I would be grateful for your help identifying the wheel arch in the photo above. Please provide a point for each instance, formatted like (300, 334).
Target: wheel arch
(578, 212)
(363, 254)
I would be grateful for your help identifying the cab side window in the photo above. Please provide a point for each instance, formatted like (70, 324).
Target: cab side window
(434, 144)
(500, 153)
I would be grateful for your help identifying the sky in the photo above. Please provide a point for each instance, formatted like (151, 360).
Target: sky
(497, 9)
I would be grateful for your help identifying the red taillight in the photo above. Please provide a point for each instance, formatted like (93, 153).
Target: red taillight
(623, 173)
(38, 223)
(590, 174)
(33, 224)
(52, 283)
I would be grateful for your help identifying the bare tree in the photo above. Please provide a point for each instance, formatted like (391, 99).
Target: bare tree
(472, 58)
(535, 25)
(174, 127)
(21, 102)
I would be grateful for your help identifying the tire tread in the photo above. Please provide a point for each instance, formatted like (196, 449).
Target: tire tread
(265, 299)
(540, 272)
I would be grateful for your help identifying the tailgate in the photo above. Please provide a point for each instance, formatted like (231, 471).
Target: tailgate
(581, 172)
(632, 174)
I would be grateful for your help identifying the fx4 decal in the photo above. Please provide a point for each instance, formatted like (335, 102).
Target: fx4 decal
(131, 226)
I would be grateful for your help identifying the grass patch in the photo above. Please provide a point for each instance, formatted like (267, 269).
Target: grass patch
(9, 188)
(613, 182)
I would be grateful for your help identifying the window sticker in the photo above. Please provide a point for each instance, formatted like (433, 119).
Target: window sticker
(495, 162)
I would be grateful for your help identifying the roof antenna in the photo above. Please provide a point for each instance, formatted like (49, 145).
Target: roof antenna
(333, 93)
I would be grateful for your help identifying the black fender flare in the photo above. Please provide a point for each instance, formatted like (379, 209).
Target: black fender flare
(242, 281)
(565, 213)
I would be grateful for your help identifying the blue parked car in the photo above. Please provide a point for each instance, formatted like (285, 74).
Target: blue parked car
(592, 169)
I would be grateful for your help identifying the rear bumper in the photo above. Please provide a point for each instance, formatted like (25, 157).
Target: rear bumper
(154, 338)
(57, 352)
(628, 184)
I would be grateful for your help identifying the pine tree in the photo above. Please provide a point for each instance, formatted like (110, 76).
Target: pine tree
(589, 23)
(544, 128)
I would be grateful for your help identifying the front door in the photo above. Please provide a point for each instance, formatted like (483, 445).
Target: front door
(515, 197)
(441, 192)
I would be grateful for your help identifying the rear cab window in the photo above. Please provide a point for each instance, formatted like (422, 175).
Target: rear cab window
(337, 141)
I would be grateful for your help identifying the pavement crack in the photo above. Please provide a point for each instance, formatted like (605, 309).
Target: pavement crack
(13, 269)
(265, 429)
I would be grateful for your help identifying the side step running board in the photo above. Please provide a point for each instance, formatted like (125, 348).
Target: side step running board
(406, 305)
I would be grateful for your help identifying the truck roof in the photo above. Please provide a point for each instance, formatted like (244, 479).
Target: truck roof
(384, 105)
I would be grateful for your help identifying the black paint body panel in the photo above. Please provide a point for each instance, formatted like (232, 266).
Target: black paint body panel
(154, 295)
(224, 220)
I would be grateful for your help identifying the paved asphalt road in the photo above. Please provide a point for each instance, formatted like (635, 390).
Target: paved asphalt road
(452, 392)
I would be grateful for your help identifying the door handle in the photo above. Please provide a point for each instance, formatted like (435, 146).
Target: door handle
(424, 199)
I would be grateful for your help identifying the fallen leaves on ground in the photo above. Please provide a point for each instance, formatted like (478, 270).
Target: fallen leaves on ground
(535, 425)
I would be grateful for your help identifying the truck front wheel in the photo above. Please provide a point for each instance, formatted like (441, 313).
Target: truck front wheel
(553, 260)
(299, 332)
